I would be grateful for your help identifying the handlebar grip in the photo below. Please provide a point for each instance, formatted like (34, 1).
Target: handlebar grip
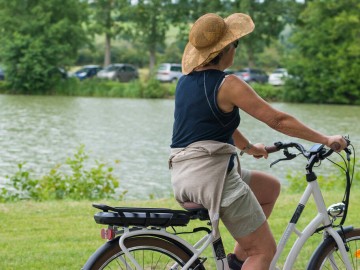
(271, 149)
(335, 146)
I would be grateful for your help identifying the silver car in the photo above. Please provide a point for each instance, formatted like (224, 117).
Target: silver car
(119, 72)
(169, 72)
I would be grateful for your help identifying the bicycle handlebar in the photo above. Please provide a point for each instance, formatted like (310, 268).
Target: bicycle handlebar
(317, 151)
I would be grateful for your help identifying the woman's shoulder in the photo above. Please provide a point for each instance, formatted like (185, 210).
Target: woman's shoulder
(233, 80)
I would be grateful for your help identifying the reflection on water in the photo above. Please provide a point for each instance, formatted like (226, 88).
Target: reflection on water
(43, 131)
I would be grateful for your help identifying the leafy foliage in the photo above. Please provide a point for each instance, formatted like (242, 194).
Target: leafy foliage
(151, 88)
(38, 38)
(154, 89)
(269, 92)
(98, 182)
(326, 58)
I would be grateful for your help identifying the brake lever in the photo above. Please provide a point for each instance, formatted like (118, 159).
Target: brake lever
(276, 161)
(348, 153)
(288, 156)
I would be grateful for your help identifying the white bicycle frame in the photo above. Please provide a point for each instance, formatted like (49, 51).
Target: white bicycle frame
(321, 219)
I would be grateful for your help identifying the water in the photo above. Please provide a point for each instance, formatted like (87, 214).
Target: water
(43, 131)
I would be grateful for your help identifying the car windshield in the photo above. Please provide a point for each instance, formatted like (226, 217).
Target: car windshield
(279, 71)
(243, 70)
(162, 67)
(111, 68)
(82, 70)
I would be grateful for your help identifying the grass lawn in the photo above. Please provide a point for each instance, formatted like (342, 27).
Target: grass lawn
(62, 234)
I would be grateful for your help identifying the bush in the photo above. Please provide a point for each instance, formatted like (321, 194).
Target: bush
(98, 182)
(269, 92)
(106, 88)
(154, 89)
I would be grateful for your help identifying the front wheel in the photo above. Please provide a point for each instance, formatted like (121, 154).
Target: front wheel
(328, 256)
(150, 253)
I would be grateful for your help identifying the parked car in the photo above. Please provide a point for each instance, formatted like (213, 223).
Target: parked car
(278, 77)
(229, 71)
(2, 74)
(88, 71)
(250, 75)
(119, 72)
(169, 72)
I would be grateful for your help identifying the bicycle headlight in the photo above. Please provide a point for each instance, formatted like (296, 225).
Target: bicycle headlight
(336, 210)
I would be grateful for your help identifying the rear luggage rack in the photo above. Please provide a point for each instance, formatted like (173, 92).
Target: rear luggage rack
(133, 216)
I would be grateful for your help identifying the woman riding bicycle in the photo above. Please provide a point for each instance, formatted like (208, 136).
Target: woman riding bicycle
(205, 168)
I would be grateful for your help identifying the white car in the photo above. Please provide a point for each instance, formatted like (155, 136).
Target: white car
(169, 72)
(278, 77)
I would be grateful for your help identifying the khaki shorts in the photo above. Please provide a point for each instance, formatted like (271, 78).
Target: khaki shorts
(240, 211)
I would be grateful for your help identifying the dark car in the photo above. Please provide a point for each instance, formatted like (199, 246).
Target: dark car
(88, 71)
(2, 74)
(119, 72)
(250, 75)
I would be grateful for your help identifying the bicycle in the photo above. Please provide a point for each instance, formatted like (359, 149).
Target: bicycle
(139, 238)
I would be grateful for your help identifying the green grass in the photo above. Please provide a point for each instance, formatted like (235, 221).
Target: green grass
(62, 234)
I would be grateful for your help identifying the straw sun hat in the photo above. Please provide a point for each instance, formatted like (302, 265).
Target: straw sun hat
(210, 34)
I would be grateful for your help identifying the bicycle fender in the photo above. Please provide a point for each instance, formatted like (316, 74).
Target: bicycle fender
(94, 257)
(324, 243)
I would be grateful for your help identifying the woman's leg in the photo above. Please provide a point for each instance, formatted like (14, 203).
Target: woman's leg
(259, 248)
(266, 189)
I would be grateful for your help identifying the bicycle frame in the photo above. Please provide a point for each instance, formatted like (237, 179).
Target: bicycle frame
(321, 218)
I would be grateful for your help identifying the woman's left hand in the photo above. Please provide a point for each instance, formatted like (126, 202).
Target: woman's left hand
(258, 151)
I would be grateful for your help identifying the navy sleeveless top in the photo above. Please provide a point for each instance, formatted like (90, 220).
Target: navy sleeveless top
(197, 115)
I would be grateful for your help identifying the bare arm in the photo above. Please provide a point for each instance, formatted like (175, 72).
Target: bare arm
(242, 143)
(234, 92)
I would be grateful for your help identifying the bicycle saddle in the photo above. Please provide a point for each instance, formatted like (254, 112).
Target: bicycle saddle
(198, 211)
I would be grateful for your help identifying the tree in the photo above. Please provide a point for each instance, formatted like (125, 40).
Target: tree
(38, 38)
(106, 19)
(269, 18)
(326, 59)
(151, 20)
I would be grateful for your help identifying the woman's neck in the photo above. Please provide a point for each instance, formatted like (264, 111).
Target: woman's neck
(209, 67)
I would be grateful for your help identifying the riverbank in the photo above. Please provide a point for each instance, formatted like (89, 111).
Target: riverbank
(63, 234)
(143, 88)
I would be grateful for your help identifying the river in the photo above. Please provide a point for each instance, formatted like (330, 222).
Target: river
(44, 131)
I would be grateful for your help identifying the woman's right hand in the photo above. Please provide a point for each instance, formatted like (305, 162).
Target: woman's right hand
(336, 143)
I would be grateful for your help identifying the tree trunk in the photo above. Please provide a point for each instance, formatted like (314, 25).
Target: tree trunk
(152, 61)
(107, 57)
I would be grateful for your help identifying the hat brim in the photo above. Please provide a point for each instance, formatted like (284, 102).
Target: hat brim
(238, 25)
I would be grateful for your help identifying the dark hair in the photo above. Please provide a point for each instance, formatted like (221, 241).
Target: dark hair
(217, 58)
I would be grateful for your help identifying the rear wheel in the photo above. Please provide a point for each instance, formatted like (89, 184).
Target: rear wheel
(150, 253)
(329, 257)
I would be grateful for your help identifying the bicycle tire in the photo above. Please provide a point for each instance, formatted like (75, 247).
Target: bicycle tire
(322, 259)
(163, 254)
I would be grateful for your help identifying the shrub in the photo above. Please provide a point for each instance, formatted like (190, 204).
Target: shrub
(98, 182)
(269, 92)
(154, 89)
